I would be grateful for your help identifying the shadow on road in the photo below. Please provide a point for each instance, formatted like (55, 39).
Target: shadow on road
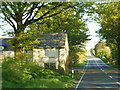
(99, 75)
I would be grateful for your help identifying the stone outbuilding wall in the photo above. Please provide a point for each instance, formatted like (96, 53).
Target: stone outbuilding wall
(53, 51)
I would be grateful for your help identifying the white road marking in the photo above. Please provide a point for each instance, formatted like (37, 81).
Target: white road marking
(110, 76)
(84, 70)
(105, 72)
(118, 83)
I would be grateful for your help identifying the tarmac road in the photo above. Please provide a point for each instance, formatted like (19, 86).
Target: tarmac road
(97, 74)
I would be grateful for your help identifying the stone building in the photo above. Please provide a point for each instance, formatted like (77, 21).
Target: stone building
(52, 52)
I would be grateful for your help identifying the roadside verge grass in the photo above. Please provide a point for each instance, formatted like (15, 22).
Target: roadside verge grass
(18, 74)
(110, 64)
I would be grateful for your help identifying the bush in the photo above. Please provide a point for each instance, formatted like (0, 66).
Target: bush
(12, 70)
(20, 74)
(18, 71)
(77, 56)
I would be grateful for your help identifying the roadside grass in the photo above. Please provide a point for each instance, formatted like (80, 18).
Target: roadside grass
(41, 83)
(110, 64)
(82, 64)
(17, 74)
(107, 61)
(77, 73)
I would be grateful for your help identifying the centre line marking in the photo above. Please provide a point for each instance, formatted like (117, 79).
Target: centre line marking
(105, 72)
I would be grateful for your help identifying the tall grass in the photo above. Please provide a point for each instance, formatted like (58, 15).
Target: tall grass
(18, 74)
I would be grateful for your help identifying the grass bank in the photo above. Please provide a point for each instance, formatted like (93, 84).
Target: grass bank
(17, 74)
(109, 62)
(41, 83)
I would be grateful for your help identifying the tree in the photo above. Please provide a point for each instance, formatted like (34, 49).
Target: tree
(102, 50)
(21, 14)
(109, 16)
(49, 17)
(70, 21)
(99, 45)
(65, 22)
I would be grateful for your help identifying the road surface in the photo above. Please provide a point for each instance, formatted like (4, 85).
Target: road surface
(97, 74)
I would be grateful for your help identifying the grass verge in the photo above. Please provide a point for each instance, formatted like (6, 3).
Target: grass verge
(107, 62)
(17, 74)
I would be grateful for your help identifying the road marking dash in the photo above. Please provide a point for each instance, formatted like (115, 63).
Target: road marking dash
(105, 72)
(118, 83)
(110, 76)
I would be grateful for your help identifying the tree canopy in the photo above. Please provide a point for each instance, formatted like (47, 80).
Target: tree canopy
(47, 17)
(68, 22)
(109, 18)
(21, 14)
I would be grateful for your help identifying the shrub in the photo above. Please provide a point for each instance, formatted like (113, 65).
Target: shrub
(18, 71)
(77, 56)
(20, 74)
(11, 69)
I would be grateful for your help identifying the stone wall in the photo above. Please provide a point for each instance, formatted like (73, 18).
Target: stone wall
(42, 56)
(6, 54)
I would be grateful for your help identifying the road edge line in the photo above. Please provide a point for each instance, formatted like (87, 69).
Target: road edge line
(84, 70)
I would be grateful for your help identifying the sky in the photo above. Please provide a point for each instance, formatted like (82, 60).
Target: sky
(93, 27)
(3, 29)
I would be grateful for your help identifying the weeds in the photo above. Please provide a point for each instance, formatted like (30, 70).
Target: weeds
(17, 74)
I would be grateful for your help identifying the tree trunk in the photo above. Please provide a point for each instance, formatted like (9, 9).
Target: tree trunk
(18, 49)
(19, 52)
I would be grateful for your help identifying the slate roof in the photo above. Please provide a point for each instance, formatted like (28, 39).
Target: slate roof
(54, 40)
(7, 46)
